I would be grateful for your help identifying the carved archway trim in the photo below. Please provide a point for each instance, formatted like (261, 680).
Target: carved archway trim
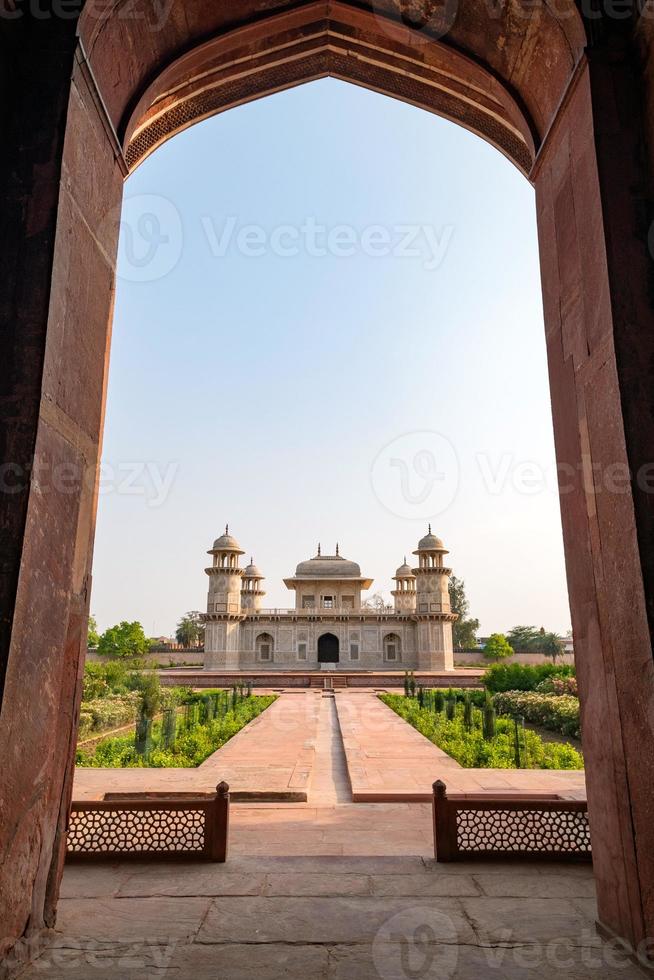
(318, 40)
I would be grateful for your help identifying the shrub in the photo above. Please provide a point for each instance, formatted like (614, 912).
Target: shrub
(473, 751)
(148, 688)
(558, 685)
(192, 745)
(85, 724)
(467, 711)
(100, 680)
(522, 677)
(557, 713)
(497, 647)
(111, 712)
(490, 719)
(478, 697)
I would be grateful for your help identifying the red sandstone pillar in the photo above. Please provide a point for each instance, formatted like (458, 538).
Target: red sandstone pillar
(597, 274)
(59, 177)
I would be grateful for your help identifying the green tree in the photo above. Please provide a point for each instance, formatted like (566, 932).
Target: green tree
(524, 638)
(190, 630)
(464, 630)
(497, 647)
(149, 688)
(93, 637)
(124, 640)
(534, 640)
(552, 645)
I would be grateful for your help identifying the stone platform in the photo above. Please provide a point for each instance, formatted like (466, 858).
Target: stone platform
(339, 677)
(329, 889)
(327, 918)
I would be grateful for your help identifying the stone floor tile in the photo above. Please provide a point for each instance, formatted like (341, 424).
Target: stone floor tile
(197, 879)
(87, 880)
(129, 920)
(531, 920)
(562, 960)
(313, 884)
(248, 962)
(358, 865)
(114, 962)
(386, 961)
(322, 920)
(425, 885)
(392, 961)
(536, 885)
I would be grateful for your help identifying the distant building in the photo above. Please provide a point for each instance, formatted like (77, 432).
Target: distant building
(330, 627)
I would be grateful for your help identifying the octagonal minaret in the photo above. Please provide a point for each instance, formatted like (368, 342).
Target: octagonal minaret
(404, 592)
(225, 575)
(251, 591)
(222, 621)
(432, 578)
(433, 609)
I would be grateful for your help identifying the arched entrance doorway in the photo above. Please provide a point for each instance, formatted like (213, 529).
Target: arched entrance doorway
(328, 649)
(87, 101)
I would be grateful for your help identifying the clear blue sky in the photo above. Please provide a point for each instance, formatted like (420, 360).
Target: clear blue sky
(330, 393)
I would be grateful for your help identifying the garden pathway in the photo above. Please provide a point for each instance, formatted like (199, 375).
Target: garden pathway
(390, 761)
(271, 758)
(329, 750)
(328, 888)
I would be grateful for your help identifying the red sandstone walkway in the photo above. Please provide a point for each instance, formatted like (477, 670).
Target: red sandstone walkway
(272, 758)
(297, 750)
(390, 761)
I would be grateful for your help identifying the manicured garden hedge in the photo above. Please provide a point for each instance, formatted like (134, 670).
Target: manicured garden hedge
(192, 746)
(103, 714)
(469, 747)
(558, 713)
(477, 697)
(522, 677)
(113, 694)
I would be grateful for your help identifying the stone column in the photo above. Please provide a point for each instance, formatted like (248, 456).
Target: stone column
(593, 219)
(59, 177)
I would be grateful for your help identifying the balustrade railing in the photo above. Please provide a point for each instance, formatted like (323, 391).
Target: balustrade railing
(326, 610)
(168, 825)
(535, 826)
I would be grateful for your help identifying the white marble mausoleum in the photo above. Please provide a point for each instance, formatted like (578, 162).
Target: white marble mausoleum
(330, 627)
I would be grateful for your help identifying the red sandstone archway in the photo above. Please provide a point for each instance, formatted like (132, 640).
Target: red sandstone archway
(523, 78)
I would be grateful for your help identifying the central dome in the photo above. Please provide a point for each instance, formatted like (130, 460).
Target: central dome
(328, 566)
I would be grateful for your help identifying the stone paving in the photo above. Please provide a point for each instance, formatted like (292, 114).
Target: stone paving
(354, 918)
(302, 830)
(327, 889)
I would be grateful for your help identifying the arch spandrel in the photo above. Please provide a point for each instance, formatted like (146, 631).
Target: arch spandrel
(501, 70)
